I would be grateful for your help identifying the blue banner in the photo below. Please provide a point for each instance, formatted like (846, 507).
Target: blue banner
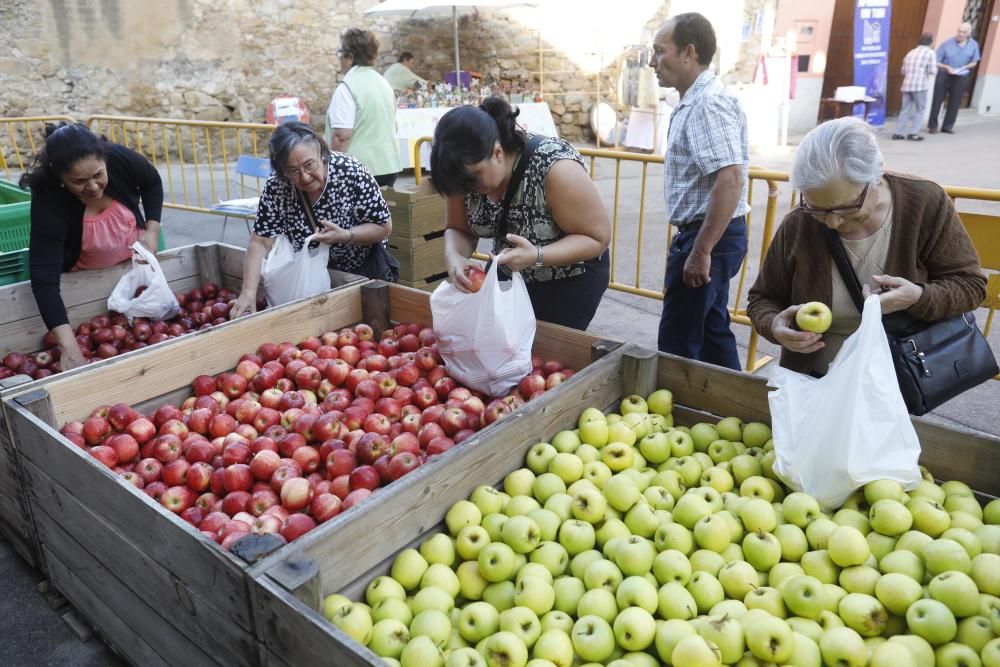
(871, 54)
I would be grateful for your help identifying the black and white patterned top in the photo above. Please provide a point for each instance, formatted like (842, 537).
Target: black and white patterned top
(529, 215)
(351, 198)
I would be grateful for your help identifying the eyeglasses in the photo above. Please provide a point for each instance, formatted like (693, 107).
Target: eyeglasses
(850, 209)
(310, 167)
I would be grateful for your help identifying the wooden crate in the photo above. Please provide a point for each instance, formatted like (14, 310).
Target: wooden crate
(415, 213)
(421, 260)
(417, 239)
(156, 588)
(288, 587)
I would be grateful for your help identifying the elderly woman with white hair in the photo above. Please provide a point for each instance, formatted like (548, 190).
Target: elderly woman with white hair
(901, 234)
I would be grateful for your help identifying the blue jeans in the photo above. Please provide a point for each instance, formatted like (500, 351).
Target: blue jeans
(695, 320)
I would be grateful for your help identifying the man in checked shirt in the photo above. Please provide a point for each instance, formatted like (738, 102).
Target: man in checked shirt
(918, 65)
(705, 192)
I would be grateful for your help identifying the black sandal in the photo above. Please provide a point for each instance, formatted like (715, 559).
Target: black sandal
(898, 137)
(914, 137)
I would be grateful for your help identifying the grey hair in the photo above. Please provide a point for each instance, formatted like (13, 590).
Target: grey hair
(844, 148)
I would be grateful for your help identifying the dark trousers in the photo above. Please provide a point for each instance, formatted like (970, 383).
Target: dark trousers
(572, 302)
(695, 320)
(386, 179)
(954, 88)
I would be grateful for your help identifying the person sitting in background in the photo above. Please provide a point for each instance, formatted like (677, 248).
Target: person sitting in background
(85, 196)
(400, 75)
(343, 199)
(559, 228)
(901, 234)
(361, 119)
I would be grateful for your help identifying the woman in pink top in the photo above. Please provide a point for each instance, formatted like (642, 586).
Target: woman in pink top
(85, 214)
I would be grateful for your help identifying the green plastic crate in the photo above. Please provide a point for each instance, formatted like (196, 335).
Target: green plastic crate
(14, 267)
(15, 218)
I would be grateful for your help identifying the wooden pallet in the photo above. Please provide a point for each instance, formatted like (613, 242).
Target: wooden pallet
(288, 587)
(152, 585)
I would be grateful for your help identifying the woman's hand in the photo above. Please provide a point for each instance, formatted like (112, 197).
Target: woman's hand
(521, 255)
(456, 272)
(333, 234)
(894, 293)
(70, 355)
(150, 237)
(246, 304)
(783, 331)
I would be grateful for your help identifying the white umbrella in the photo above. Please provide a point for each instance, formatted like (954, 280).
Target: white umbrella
(411, 7)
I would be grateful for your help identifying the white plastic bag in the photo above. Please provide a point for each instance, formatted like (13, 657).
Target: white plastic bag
(485, 337)
(850, 427)
(156, 302)
(288, 275)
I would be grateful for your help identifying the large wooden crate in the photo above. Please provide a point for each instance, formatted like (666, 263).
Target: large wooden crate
(289, 586)
(417, 239)
(157, 589)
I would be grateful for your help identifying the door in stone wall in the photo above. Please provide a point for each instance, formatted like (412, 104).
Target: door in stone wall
(977, 13)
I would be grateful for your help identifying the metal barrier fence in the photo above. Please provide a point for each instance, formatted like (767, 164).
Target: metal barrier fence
(20, 139)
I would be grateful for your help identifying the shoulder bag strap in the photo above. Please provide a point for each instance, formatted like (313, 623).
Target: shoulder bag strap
(844, 266)
(515, 181)
(309, 211)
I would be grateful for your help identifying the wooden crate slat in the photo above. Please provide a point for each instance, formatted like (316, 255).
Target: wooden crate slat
(714, 389)
(958, 453)
(128, 636)
(408, 305)
(152, 370)
(231, 260)
(415, 212)
(16, 522)
(421, 260)
(195, 560)
(68, 523)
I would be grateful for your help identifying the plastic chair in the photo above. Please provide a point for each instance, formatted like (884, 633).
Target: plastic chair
(246, 165)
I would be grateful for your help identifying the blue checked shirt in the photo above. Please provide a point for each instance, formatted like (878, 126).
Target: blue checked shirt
(950, 53)
(708, 131)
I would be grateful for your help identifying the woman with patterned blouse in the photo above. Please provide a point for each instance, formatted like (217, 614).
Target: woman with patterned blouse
(558, 228)
(344, 198)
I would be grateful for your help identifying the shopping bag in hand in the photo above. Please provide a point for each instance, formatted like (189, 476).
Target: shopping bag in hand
(288, 275)
(850, 427)
(485, 337)
(144, 290)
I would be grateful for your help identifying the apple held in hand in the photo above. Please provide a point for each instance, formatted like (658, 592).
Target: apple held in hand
(814, 316)
(476, 276)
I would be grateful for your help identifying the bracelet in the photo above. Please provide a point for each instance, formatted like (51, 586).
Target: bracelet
(350, 235)
(540, 260)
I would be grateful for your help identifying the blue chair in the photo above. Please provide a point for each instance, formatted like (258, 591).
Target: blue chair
(249, 166)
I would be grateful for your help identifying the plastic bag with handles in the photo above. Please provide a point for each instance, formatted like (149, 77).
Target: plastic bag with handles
(288, 274)
(835, 434)
(485, 337)
(156, 301)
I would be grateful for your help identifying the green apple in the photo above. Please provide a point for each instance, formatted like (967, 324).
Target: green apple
(493, 524)
(989, 537)
(638, 422)
(942, 555)
(991, 653)
(520, 506)
(561, 504)
(920, 649)
(782, 572)
(689, 468)
(552, 556)
(521, 533)
(556, 620)
(441, 576)
(518, 482)
(853, 518)
(883, 488)
(659, 498)
(554, 646)
(593, 639)
(843, 647)
(834, 594)
(580, 562)
(621, 492)
(730, 428)
(568, 591)
(986, 573)
(818, 532)
(523, 623)
(695, 651)
(389, 637)
(637, 591)
(689, 508)
(766, 598)
(955, 655)
(488, 499)
(477, 621)
(768, 638)
(466, 656)
(889, 654)
(818, 564)
(903, 562)
(674, 536)
(738, 578)
(548, 523)
(745, 466)
(618, 456)
(505, 649)
(655, 447)
(756, 434)
(633, 403)
(660, 402)
(726, 634)
(538, 457)
(334, 603)
(674, 601)
(566, 441)
(432, 623)
(587, 454)
(589, 415)
(712, 532)
(382, 588)
(829, 620)
(703, 435)
(500, 594)
(928, 489)
(535, 593)
(595, 432)
(669, 479)
(602, 574)
(859, 579)
(975, 632)
(671, 565)
(546, 485)
(718, 479)
(439, 548)
(408, 568)
(913, 540)
(757, 514)
(792, 540)
(890, 517)
(621, 432)
(968, 504)
(634, 629)
(567, 467)
(598, 602)
(634, 556)
(496, 562)
(392, 608)
(471, 583)
(610, 529)
(733, 552)
(864, 614)
(804, 596)
(721, 450)
(932, 620)
(704, 560)
(929, 517)
(962, 519)
(432, 597)
(597, 473)
(806, 627)
(589, 505)
(706, 591)
(421, 651)
(880, 545)
(897, 592)
(355, 621)
(957, 591)
(762, 550)
(681, 443)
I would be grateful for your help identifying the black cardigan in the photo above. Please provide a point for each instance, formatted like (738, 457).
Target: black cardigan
(57, 224)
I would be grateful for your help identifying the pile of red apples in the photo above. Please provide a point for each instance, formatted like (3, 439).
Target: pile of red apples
(109, 335)
(296, 434)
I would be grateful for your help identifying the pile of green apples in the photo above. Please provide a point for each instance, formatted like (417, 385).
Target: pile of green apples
(630, 542)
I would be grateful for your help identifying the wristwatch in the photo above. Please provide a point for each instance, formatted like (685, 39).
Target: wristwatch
(540, 261)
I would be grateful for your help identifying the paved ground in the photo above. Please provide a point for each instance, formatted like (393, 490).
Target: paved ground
(36, 635)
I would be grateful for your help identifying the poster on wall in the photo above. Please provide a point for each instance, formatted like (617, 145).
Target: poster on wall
(871, 54)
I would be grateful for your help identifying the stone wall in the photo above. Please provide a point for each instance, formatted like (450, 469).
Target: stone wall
(224, 60)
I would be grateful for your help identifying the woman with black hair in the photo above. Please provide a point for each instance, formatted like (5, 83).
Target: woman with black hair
(551, 226)
(314, 192)
(85, 196)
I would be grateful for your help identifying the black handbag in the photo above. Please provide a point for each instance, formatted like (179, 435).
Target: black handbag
(935, 361)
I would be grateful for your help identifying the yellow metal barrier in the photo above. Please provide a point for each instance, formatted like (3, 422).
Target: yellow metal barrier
(197, 157)
(20, 139)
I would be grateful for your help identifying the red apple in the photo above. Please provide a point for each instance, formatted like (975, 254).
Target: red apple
(235, 502)
(261, 500)
(263, 465)
(296, 493)
(199, 476)
(125, 447)
(175, 473)
(308, 458)
(203, 385)
(364, 477)
(402, 463)
(297, 526)
(177, 499)
(354, 497)
(167, 448)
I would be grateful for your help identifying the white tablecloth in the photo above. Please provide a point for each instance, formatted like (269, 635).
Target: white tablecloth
(411, 124)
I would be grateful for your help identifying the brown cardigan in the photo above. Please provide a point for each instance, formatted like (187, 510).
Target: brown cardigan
(929, 246)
